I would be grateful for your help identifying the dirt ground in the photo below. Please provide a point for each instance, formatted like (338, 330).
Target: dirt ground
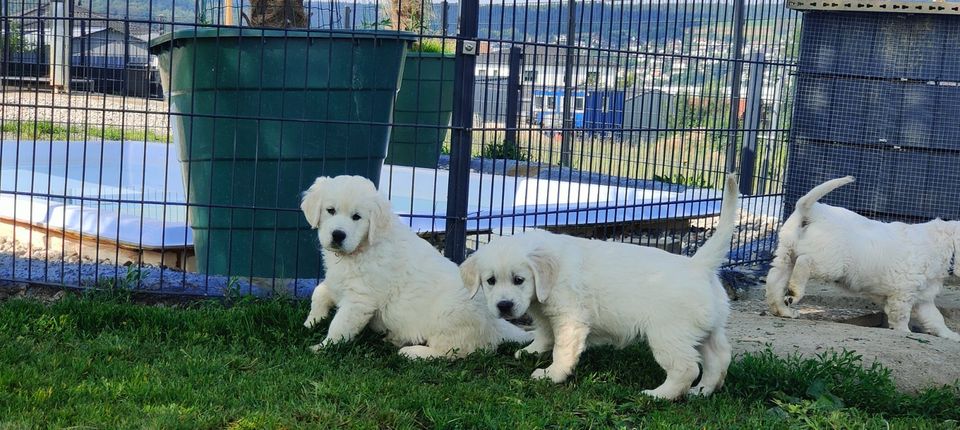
(835, 319)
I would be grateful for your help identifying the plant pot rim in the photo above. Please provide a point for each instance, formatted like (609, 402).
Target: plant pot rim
(415, 53)
(160, 43)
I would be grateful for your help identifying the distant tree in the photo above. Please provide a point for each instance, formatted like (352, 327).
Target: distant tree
(13, 42)
(704, 112)
(409, 15)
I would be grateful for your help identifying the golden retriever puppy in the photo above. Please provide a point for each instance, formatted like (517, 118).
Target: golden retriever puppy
(379, 272)
(581, 293)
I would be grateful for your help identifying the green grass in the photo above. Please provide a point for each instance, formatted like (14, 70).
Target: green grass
(105, 363)
(46, 131)
(684, 155)
(435, 46)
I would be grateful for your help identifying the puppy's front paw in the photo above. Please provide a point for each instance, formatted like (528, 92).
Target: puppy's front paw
(700, 390)
(311, 321)
(326, 342)
(784, 311)
(551, 373)
(315, 317)
(789, 313)
(525, 351)
(658, 394)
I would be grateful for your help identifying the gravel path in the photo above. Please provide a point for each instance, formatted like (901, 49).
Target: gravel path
(82, 108)
(51, 267)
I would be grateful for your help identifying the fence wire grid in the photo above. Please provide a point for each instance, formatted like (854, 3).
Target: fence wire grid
(162, 145)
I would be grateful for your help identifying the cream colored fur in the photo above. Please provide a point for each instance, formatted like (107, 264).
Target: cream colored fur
(385, 276)
(583, 293)
(900, 266)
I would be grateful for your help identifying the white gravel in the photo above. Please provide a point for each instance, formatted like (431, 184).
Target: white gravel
(51, 267)
(82, 108)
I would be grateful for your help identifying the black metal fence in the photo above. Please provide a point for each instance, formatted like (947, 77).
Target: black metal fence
(613, 120)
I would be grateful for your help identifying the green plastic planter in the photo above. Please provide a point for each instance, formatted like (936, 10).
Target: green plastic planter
(425, 99)
(258, 114)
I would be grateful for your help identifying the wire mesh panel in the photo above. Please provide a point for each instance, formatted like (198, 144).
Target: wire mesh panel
(624, 116)
(163, 146)
(874, 97)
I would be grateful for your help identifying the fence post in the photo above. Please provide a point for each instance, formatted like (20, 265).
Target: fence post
(445, 11)
(735, 79)
(774, 122)
(566, 134)
(347, 18)
(126, 45)
(61, 51)
(513, 93)
(751, 124)
(461, 143)
(8, 34)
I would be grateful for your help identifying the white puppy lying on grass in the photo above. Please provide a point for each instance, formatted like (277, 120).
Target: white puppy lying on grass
(900, 266)
(379, 272)
(583, 293)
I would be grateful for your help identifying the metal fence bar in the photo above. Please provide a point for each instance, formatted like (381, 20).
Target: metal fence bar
(735, 80)
(513, 94)
(748, 154)
(462, 128)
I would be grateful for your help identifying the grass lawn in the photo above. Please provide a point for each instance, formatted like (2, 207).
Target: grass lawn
(102, 362)
(47, 131)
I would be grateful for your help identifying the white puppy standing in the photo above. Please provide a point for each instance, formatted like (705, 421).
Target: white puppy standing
(584, 293)
(379, 272)
(900, 266)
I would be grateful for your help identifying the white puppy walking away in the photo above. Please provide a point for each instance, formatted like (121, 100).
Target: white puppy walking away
(379, 272)
(900, 266)
(584, 293)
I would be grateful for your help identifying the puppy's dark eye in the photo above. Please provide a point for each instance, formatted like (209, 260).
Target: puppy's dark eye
(355, 217)
(517, 280)
(331, 211)
(491, 280)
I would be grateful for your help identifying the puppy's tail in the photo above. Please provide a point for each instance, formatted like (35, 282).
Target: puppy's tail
(806, 202)
(714, 250)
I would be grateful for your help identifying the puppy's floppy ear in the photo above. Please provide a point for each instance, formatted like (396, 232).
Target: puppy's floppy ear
(311, 202)
(470, 275)
(545, 267)
(381, 216)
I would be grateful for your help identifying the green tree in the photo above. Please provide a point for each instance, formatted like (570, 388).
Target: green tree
(12, 42)
(707, 112)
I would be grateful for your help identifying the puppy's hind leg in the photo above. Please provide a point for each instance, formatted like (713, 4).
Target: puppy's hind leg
(777, 280)
(674, 351)
(897, 307)
(798, 279)
(931, 319)
(716, 354)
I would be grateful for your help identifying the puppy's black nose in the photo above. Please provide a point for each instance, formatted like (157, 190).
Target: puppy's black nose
(338, 236)
(505, 306)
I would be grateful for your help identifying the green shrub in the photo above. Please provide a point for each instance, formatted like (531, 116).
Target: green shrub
(504, 150)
